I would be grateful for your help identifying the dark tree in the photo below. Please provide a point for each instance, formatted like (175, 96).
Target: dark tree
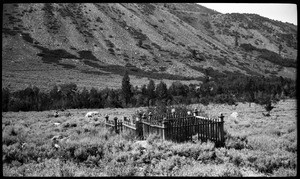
(69, 95)
(112, 99)
(162, 91)
(126, 88)
(45, 101)
(84, 98)
(95, 99)
(55, 93)
(36, 99)
(151, 89)
(5, 99)
(144, 90)
(178, 89)
(250, 88)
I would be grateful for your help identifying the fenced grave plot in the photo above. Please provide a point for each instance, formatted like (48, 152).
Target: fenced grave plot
(131, 126)
(174, 127)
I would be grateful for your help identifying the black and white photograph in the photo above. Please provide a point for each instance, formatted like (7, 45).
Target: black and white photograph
(149, 89)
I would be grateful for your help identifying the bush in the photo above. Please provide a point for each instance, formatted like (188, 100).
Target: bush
(204, 101)
(9, 139)
(16, 104)
(115, 168)
(153, 138)
(231, 171)
(171, 166)
(12, 153)
(210, 170)
(224, 98)
(268, 162)
(13, 134)
(236, 159)
(200, 151)
(236, 142)
(284, 172)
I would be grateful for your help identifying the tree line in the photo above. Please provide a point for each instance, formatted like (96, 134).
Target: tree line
(230, 89)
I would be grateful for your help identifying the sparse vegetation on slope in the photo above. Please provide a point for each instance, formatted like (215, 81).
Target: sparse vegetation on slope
(270, 56)
(163, 41)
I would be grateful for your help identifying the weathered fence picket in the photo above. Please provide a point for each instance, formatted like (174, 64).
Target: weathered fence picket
(175, 127)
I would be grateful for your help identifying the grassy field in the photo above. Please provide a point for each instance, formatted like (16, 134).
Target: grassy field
(255, 146)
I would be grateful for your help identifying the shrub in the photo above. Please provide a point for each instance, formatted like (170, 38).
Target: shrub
(92, 161)
(66, 170)
(170, 166)
(80, 154)
(284, 172)
(221, 155)
(237, 160)
(199, 169)
(9, 139)
(13, 134)
(153, 138)
(231, 171)
(11, 153)
(199, 151)
(291, 147)
(236, 142)
(204, 101)
(264, 142)
(207, 156)
(268, 162)
(224, 98)
(115, 168)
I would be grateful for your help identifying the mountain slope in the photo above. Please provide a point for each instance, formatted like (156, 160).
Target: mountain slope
(91, 44)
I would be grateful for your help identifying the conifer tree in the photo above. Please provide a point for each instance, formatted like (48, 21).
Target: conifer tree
(5, 99)
(151, 89)
(126, 88)
(161, 91)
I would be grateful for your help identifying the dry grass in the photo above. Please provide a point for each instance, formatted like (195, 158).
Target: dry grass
(249, 121)
(273, 141)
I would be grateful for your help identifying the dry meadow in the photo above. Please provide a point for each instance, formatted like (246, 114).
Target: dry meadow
(256, 145)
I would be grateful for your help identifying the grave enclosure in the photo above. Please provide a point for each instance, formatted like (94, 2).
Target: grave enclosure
(173, 127)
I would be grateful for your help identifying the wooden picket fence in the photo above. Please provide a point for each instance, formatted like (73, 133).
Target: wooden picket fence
(174, 127)
(121, 126)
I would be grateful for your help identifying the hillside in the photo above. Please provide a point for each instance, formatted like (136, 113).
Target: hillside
(93, 44)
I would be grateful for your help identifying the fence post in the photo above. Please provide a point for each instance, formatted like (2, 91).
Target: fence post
(150, 117)
(222, 129)
(173, 112)
(138, 128)
(144, 117)
(164, 130)
(116, 125)
(125, 120)
(195, 112)
(145, 127)
(121, 126)
(140, 117)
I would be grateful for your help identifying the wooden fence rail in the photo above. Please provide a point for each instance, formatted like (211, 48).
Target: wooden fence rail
(178, 128)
